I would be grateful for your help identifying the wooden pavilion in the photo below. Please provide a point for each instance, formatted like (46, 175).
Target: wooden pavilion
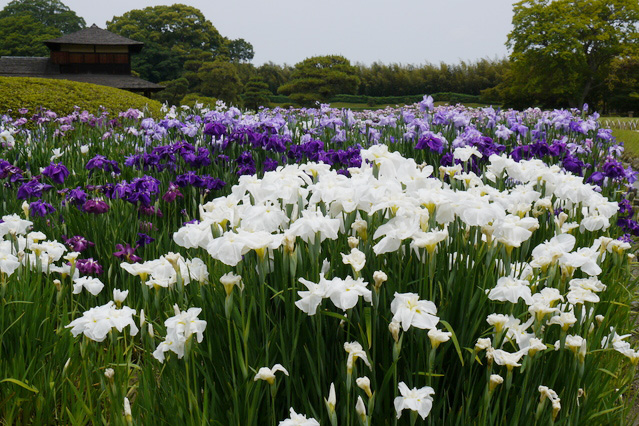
(91, 55)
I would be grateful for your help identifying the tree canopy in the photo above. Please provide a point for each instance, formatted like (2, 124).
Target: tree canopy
(49, 13)
(172, 35)
(22, 35)
(319, 78)
(219, 79)
(25, 24)
(239, 50)
(562, 50)
(256, 93)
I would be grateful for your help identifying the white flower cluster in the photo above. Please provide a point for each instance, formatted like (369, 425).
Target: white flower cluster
(163, 272)
(18, 247)
(307, 201)
(179, 329)
(98, 321)
(344, 293)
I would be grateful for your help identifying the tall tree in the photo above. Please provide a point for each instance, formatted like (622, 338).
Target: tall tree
(22, 35)
(319, 78)
(256, 94)
(172, 35)
(49, 13)
(25, 24)
(219, 79)
(239, 50)
(562, 50)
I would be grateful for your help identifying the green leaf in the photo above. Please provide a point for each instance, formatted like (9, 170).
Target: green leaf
(455, 342)
(21, 384)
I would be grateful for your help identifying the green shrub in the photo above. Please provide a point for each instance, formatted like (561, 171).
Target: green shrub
(62, 96)
(350, 99)
(279, 99)
(192, 98)
(455, 98)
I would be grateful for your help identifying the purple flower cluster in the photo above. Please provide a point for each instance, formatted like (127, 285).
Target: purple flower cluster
(77, 243)
(101, 162)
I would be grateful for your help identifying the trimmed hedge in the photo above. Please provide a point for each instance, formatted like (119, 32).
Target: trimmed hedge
(62, 96)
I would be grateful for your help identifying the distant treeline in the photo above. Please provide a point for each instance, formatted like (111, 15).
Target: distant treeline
(593, 58)
(378, 83)
(450, 97)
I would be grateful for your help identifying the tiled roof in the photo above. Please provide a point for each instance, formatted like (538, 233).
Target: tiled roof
(94, 35)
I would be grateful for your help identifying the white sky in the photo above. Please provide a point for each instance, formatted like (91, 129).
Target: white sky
(365, 31)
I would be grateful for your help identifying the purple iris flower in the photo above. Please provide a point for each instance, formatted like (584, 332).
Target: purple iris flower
(605, 134)
(126, 253)
(150, 211)
(202, 158)
(77, 243)
(447, 160)
(557, 148)
(521, 152)
(212, 184)
(188, 178)
(245, 164)
(95, 206)
(134, 160)
(597, 178)
(627, 238)
(101, 162)
(88, 266)
(76, 196)
(539, 149)
(57, 172)
(270, 164)
(631, 175)
(41, 208)
(614, 170)
(625, 207)
(32, 188)
(430, 140)
(215, 129)
(143, 240)
(172, 193)
(573, 164)
(9, 170)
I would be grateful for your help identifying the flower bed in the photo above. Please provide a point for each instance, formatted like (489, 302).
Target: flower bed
(464, 265)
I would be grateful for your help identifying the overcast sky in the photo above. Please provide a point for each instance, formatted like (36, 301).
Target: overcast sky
(399, 31)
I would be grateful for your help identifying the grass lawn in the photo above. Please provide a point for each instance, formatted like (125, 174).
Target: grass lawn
(630, 139)
(624, 123)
